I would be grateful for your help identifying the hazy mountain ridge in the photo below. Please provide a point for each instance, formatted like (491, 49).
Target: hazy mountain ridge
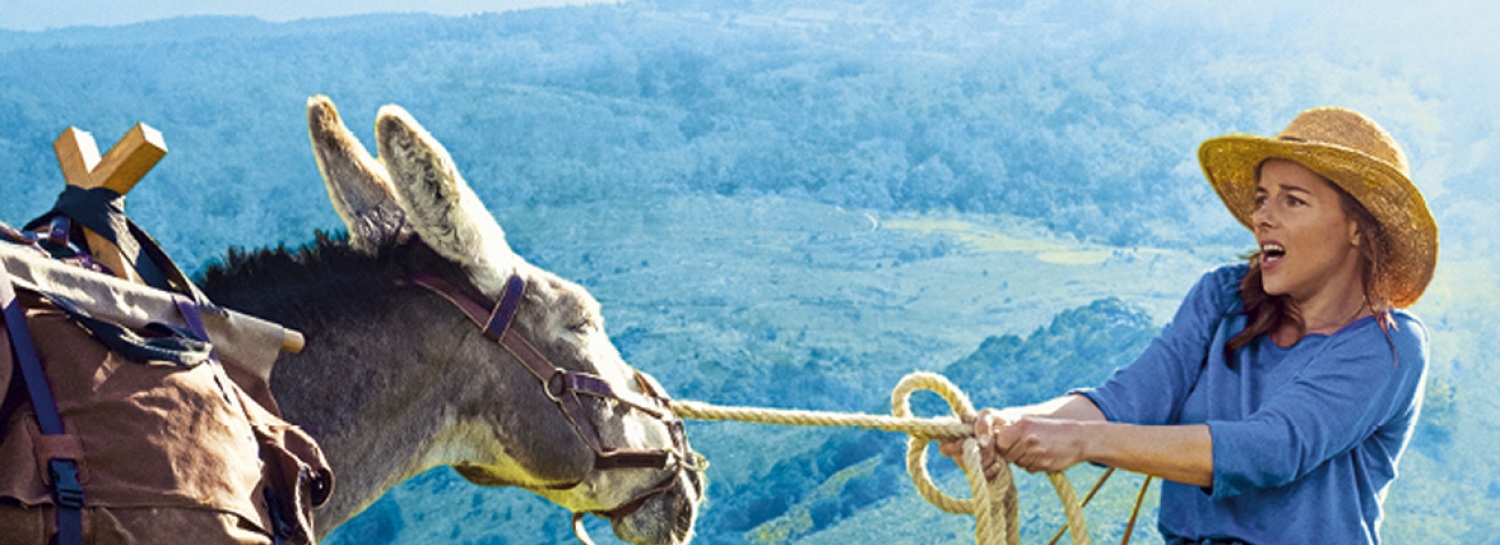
(1086, 123)
(842, 191)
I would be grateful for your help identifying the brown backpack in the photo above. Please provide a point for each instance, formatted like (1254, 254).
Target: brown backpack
(169, 443)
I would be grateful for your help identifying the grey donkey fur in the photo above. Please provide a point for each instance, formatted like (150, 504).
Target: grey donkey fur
(395, 380)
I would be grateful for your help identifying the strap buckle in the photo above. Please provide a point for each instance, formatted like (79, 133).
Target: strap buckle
(66, 490)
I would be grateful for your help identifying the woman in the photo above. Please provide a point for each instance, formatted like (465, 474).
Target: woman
(1278, 401)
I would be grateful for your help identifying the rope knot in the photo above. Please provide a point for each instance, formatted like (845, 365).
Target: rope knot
(992, 501)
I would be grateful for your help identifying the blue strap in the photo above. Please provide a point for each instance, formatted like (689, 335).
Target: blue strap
(191, 316)
(67, 492)
(505, 312)
(25, 353)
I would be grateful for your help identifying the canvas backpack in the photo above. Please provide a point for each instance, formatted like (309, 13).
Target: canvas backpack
(158, 435)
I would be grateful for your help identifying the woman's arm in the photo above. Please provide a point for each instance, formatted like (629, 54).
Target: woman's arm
(1055, 435)
(1148, 391)
(1180, 453)
(1068, 407)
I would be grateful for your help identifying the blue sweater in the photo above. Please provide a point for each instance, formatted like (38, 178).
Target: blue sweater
(1305, 439)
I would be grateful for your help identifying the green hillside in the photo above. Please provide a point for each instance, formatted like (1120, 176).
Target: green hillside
(793, 204)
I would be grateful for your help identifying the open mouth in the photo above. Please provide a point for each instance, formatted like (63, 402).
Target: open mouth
(1271, 253)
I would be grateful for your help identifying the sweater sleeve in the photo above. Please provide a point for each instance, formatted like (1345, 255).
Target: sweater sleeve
(1152, 388)
(1351, 392)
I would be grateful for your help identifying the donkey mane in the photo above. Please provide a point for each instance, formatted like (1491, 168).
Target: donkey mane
(318, 272)
(270, 267)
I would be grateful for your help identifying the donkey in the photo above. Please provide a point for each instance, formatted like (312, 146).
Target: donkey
(398, 377)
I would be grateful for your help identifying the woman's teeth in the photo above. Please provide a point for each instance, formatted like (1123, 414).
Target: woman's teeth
(1272, 252)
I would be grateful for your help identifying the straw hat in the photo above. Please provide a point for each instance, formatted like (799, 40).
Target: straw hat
(1355, 153)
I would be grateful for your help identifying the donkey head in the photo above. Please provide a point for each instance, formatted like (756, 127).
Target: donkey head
(522, 426)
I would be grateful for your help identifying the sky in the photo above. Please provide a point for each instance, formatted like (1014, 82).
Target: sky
(36, 15)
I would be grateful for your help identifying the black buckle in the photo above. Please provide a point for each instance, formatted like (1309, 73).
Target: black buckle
(66, 490)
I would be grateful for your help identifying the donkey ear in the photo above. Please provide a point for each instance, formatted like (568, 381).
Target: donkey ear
(358, 186)
(445, 212)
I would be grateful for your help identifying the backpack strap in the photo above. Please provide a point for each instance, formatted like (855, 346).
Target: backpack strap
(67, 491)
(102, 211)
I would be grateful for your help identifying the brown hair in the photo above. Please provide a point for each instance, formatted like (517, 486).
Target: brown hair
(1268, 313)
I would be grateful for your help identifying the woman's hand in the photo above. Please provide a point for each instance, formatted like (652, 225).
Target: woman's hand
(985, 425)
(1040, 444)
(1049, 436)
(1031, 442)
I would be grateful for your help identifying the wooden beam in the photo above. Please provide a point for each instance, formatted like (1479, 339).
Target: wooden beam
(119, 170)
(126, 163)
(129, 159)
(292, 341)
(77, 154)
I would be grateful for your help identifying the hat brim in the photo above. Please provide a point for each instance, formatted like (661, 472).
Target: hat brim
(1230, 163)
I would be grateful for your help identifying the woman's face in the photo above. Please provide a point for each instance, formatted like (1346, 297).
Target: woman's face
(1307, 242)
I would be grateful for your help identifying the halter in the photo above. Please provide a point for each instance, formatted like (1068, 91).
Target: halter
(563, 387)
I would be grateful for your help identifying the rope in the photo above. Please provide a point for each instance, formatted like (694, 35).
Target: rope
(1085, 503)
(1140, 498)
(992, 501)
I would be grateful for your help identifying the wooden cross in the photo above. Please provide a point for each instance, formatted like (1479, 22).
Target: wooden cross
(126, 163)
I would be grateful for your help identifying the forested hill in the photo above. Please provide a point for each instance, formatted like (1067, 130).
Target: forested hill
(1085, 116)
(794, 202)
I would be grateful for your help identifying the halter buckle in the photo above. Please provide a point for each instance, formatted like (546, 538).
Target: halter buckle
(558, 385)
